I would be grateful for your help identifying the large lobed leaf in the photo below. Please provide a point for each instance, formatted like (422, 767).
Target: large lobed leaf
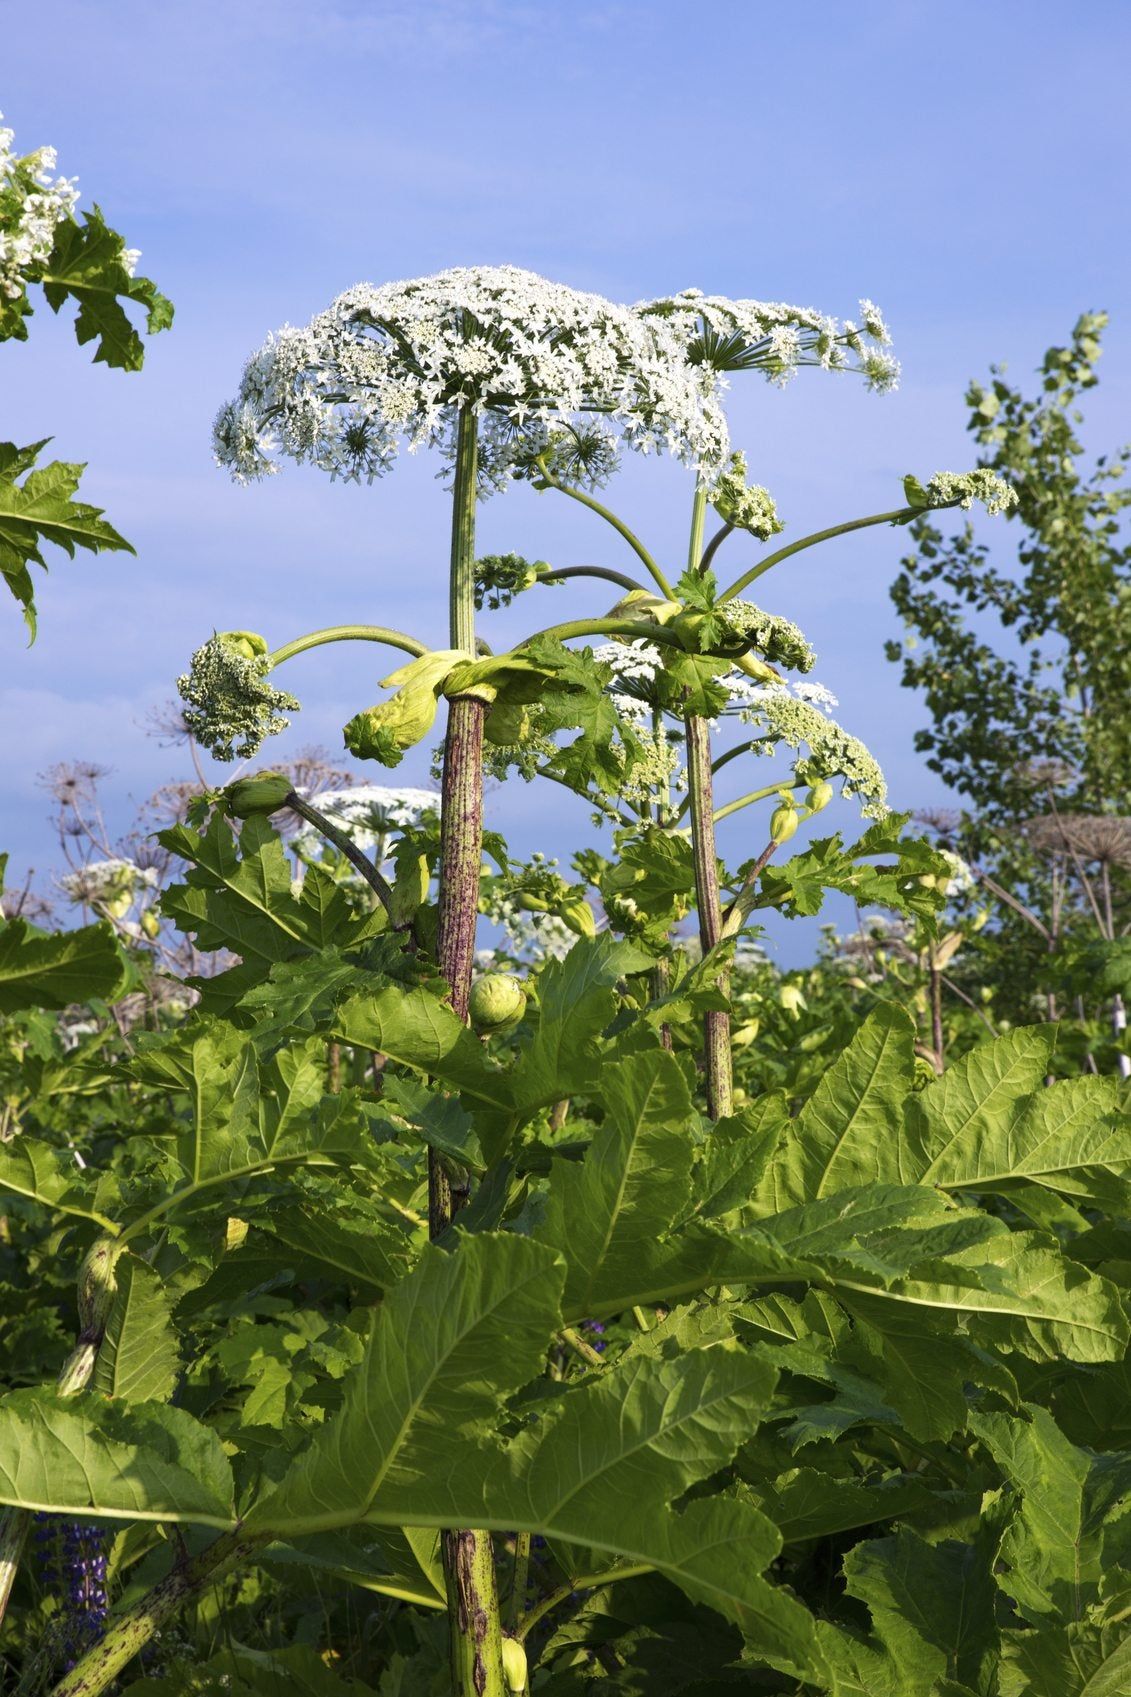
(39, 509)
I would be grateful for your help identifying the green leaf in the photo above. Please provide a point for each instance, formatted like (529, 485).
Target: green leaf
(799, 886)
(87, 264)
(449, 1341)
(239, 896)
(989, 1123)
(932, 1606)
(145, 1462)
(577, 998)
(807, 1503)
(606, 1213)
(1076, 1660)
(848, 1132)
(1072, 1517)
(43, 509)
(138, 1356)
(53, 1178)
(38, 970)
(247, 1116)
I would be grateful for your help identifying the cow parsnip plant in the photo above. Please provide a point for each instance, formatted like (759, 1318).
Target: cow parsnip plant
(487, 1297)
(43, 245)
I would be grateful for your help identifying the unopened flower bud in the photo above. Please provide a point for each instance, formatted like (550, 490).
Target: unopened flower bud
(819, 796)
(246, 642)
(514, 1665)
(497, 1002)
(263, 792)
(96, 1286)
(783, 821)
(792, 999)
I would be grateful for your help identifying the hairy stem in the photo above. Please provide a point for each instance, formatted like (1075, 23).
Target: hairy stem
(474, 1616)
(361, 862)
(129, 1632)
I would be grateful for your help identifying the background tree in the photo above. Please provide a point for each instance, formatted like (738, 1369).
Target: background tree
(1026, 670)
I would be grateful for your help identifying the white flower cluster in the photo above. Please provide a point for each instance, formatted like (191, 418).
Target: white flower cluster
(948, 488)
(794, 714)
(369, 814)
(776, 339)
(33, 203)
(105, 881)
(744, 692)
(396, 362)
(638, 659)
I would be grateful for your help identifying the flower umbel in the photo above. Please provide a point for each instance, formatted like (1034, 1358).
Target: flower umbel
(397, 362)
(229, 706)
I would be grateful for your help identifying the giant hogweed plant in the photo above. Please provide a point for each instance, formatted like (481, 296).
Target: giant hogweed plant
(861, 1282)
(43, 245)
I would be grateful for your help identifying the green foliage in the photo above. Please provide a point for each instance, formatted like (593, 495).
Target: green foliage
(37, 506)
(826, 1394)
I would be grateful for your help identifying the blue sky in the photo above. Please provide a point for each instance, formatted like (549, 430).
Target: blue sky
(962, 165)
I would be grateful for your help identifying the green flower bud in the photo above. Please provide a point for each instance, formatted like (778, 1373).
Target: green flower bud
(784, 821)
(792, 999)
(263, 792)
(514, 1665)
(246, 642)
(819, 796)
(497, 1002)
(97, 1286)
(151, 923)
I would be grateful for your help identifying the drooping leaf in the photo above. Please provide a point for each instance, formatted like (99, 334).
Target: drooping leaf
(146, 1462)
(40, 509)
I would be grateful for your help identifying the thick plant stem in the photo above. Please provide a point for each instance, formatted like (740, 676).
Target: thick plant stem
(701, 798)
(473, 1608)
(129, 1632)
(474, 1617)
(461, 846)
(716, 1023)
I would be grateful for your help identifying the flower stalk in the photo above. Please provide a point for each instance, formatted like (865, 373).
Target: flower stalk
(701, 803)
